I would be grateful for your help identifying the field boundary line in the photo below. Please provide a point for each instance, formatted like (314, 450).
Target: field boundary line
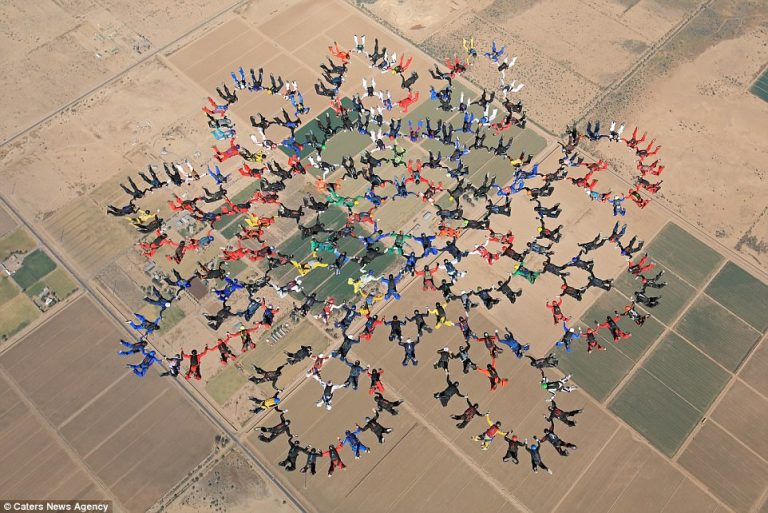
(111, 311)
(652, 51)
(121, 426)
(387, 453)
(667, 328)
(662, 203)
(58, 439)
(589, 466)
(761, 500)
(116, 77)
(17, 337)
(602, 405)
(93, 399)
(698, 428)
(444, 440)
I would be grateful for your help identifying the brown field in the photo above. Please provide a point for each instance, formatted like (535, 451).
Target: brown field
(33, 451)
(7, 222)
(100, 425)
(118, 85)
(626, 477)
(737, 475)
(738, 412)
(754, 371)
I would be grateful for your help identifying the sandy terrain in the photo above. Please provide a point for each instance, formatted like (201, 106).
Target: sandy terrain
(88, 43)
(674, 69)
(230, 484)
(695, 91)
(419, 18)
(730, 167)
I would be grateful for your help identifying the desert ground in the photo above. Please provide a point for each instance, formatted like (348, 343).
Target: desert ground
(671, 416)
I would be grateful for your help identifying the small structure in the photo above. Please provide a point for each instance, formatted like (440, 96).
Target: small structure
(45, 299)
(279, 332)
(197, 289)
(12, 264)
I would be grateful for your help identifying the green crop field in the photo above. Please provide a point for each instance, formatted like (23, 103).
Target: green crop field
(655, 411)
(598, 372)
(428, 108)
(685, 370)
(341, 290)
(57, 281)
(717, 332)
(35, 289)
(604, 305)
(337, 286)
(231, 222)
(312, 125)
(741, 293)
(246, 193)
(684, 254)
(7, 290)
(295, 245)
(627, 284)
(236, 267)
(60, 283)
(314, 279)
(674, 296)
(225, 384)
(18, 240)
(36, 265)
(642, 337)
(16, 314)
(233, 228)
(760, 87)
(171, 317)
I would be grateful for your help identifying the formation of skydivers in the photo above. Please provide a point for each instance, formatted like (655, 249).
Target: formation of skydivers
(430, 258)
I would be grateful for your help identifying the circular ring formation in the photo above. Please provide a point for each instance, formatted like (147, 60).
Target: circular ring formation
(354, 116)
